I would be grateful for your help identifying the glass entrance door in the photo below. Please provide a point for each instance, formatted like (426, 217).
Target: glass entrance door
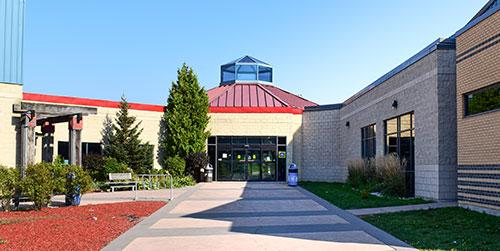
(253, 164)
(251, 158)
(239, 165)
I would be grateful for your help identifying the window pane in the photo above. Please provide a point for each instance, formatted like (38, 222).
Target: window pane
(269, 141)
(211, 155)
(282, 140)
(247, 72)
(224, 140)
(368, 141)
(392, 143)
(211, 140)
(239, 140)
(254, 140)
(265, 73)
(228, 73)
(93, 148)
(405, 122)
(63, 149)
(391, 125)
(484, 100)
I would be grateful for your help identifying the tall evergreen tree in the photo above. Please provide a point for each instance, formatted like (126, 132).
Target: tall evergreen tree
(123, 142)
(186, 116)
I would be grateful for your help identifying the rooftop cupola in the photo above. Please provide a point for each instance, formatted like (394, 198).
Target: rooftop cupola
(246, 70)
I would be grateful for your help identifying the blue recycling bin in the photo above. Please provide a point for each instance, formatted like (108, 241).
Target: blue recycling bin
(293, 175)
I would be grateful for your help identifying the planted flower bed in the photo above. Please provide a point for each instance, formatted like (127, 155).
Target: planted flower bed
(71, 228)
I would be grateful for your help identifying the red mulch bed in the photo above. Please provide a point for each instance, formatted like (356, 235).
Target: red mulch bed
(88, 227)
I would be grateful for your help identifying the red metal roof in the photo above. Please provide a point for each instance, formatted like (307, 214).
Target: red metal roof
(233, 98)
(254, 95)
(88, 102)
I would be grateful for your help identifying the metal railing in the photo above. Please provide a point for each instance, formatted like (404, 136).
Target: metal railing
(153, 181)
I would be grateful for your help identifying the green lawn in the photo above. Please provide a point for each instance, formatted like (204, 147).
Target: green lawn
(442, 229)
(343, 196)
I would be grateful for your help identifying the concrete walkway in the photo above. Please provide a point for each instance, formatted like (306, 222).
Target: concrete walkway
(124, 196)
(253, 216)
(383, 210)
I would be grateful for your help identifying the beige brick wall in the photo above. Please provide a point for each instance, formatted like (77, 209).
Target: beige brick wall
(93, 125)
(478, 135)
(249, 124)
(9, 94)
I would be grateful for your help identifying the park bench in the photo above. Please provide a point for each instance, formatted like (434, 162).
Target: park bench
(121, 180)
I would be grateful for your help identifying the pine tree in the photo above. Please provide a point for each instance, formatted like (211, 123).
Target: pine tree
(123, 142)
(186, 116)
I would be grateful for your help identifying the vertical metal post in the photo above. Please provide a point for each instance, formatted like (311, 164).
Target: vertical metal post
(171, 187)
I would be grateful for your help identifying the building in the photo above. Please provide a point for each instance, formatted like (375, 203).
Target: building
(439, 110)
(478, 109)
(255, 125)
(409, 111)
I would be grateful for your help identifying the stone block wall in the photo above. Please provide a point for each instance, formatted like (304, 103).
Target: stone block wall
(320, 147)
(426, 88)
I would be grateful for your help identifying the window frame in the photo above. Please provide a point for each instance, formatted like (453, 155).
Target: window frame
(465, 97)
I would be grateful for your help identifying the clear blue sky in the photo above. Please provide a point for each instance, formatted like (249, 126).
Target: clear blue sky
(324, 50)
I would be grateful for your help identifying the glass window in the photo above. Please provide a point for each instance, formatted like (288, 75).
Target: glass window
(399, 139)
(211, 140)
(224, 140)
(391, 125)
(228, 73)
(405, 122)
(254, 140)
(368, 141)
(269, 141)
(63, 149)
(92, 148)
(239, 140)
(88, 148)
(246, 72)
(281, 140)
(483, 100)
(265, 73)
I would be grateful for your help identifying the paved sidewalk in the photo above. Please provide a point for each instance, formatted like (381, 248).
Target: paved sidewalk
(253, 216)
(124, 196)
(383, 210)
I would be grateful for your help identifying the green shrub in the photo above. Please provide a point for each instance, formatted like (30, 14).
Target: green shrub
(183, 181)
(9, 181)
(93, 164)
(38, 184)
(58, 170)
(78, 181)
(194, 163)
(111, 165)
(175, 166)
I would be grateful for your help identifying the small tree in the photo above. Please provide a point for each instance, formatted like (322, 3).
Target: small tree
(185, 118)
(123, 142)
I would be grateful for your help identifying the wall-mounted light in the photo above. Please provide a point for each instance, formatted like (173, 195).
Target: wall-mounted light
(347, 124)
(395, 104)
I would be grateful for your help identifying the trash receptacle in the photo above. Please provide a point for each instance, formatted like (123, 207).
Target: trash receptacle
(293, 175)
(209, 173)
